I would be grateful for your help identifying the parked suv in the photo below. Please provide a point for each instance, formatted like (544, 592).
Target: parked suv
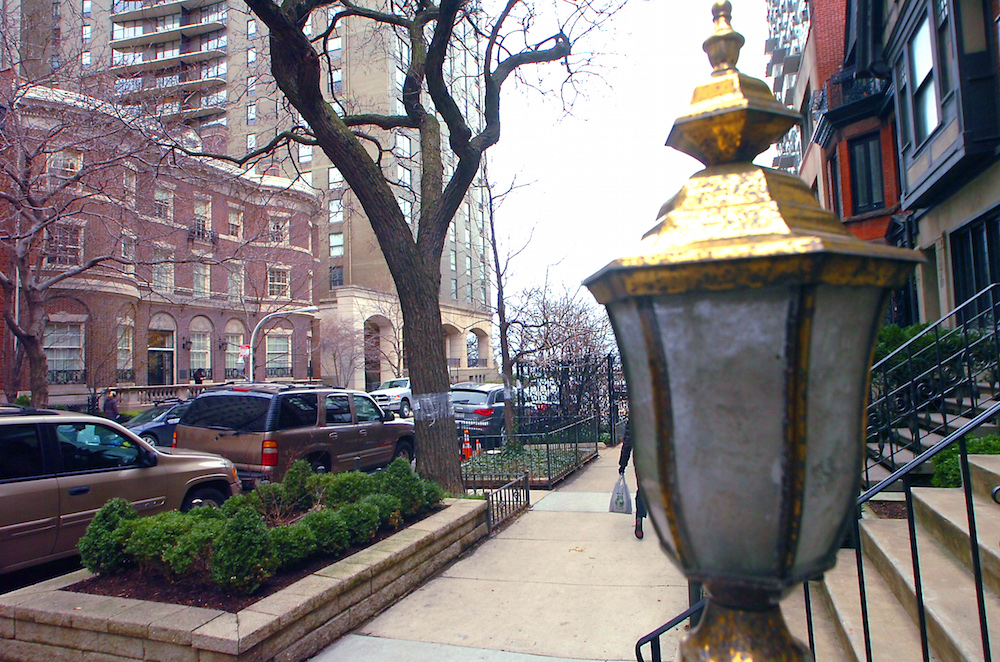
(58, 468)
(395, 396)
(263, 428)
(479, 409)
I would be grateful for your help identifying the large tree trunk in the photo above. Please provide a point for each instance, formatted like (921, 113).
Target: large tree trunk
(423, 344)
(38, 366)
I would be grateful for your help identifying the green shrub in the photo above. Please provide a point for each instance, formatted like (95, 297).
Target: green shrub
(362, 521)
(334, 489)
(192, 550)
(388, 506)
(232, 505)
(292, 544)
(433, 494)
(23, 400)
(330, 530)
(153, 537)
(296, 484)
(102, 547)
(399, 480)
(242, 558)
(947, 468)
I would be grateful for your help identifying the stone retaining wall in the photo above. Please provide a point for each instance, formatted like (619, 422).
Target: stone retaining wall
(41, 623)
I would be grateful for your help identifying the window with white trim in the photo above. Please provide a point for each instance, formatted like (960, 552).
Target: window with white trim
(163, 271)
(235, 227)
(277, 282)
(336, 244)
(62, 343)
(277, 229)
(125, 340)
(64, 244)
(201, 351)
(305, 153)
(334, 179)
(163, 204)
(336, 209)
(234, 281)
(278, 346)
(202, 279)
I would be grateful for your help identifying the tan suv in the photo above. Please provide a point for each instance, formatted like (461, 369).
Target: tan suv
(58, 468)
(263, 428)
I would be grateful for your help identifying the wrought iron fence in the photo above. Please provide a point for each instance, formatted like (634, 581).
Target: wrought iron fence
(67, 376)
(546, 457)
(279, 372)
(508, 501)
(932, 383)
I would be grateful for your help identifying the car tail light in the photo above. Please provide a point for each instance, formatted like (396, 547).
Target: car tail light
(485, 412)
(173, 444)
(541, 407)
(269, 453)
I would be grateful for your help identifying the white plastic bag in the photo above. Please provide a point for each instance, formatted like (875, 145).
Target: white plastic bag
(621, 502)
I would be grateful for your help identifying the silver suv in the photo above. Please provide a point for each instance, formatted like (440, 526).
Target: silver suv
(58, 468)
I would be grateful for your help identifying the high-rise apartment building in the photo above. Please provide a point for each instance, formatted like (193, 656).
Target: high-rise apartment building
(206, 64)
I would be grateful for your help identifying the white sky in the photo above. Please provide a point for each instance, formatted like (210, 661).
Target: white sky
(598, 177)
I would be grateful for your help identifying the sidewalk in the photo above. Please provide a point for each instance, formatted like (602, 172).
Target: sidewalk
(567, 580)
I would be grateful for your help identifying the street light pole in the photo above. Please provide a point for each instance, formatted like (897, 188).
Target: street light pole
(253, 336)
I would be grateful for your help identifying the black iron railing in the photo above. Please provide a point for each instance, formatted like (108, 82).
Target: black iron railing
(67, 376)
(547, 457)
(932, 384)
(508, 501)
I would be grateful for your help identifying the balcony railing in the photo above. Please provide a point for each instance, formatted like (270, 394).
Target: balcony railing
(851, 90)
(67, 377)
(278, 373)
(199, 233)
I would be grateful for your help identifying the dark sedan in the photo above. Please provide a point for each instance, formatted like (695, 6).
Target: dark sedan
(156, 424)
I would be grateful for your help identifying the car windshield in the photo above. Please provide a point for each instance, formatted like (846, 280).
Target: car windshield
(149, 415)
(243, 413)
(394, 383)
(461, 397)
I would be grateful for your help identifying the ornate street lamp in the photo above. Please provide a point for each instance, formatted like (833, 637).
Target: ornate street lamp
(746, 324)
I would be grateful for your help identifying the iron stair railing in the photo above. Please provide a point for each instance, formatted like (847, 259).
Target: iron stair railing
(931, 384)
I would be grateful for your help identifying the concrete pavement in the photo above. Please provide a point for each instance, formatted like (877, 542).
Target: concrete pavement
(567, 580)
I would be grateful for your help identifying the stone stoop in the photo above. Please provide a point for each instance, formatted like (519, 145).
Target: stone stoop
(826, 644)
(943, 547)
(41, 623)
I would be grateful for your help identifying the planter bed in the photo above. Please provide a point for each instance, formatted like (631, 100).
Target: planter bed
(42, 623)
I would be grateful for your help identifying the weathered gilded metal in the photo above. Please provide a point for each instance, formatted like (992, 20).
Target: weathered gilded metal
(740, 239)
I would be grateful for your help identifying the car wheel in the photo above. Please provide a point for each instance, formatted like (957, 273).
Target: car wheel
(150, 438)
(203, 497)
(320, 464)
(404, 409)
(404, 450)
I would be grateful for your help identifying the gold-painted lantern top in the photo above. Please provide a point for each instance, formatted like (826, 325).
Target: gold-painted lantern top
(735, 224)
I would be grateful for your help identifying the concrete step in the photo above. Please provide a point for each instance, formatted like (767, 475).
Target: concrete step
(947, 423)
(894, 637)
(826, 645)
(948, 588)
(942, 512)
(874, 474)
(895, 456)
(985, 473)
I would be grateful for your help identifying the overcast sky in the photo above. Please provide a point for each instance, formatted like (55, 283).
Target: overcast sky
(598, 177)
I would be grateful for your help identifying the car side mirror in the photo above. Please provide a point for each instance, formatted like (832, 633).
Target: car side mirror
(149, 458)
(389, 416)
(173, 421)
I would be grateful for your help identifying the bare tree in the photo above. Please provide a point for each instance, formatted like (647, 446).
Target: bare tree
(436, 32)
(341, 352)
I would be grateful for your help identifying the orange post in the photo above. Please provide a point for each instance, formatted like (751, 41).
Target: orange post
(479, 446)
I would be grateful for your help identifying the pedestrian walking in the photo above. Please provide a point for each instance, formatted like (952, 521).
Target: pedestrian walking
(640, 507)
(111, 406)
(199, 376)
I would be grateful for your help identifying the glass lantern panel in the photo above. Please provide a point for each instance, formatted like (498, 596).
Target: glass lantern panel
(844, 322)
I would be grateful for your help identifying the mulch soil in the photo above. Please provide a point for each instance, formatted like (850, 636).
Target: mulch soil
(157, 587)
